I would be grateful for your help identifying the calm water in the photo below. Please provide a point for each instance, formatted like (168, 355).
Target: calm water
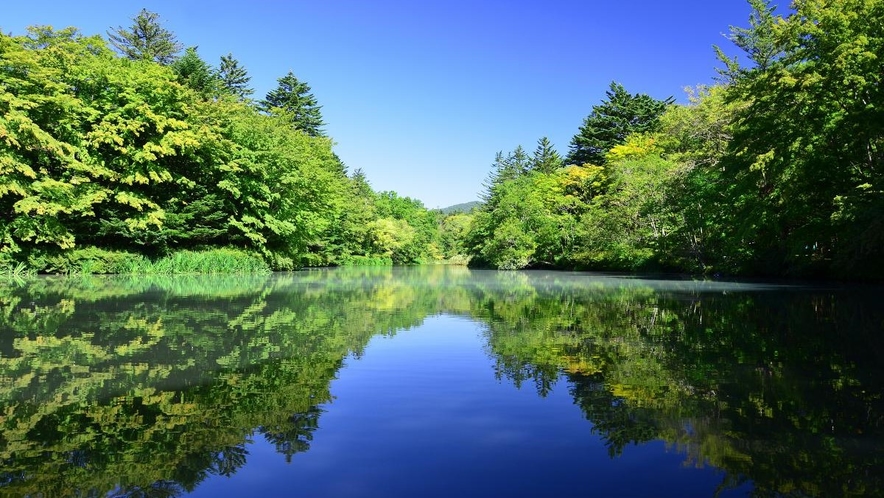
(439, 381)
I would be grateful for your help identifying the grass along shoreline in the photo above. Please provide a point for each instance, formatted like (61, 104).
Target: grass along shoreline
(225, 260)
(95, 261)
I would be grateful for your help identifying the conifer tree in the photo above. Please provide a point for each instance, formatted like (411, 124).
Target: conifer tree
(146, 39)
(545, 159)
(194, 72)
(234, 78)
(293, 96)
(610, 122)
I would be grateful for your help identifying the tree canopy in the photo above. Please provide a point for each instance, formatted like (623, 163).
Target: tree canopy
(146, 39)
(194, 72)
(234, 77)
(142, 154)
(775, 171)
(294, 98)
(609, 123)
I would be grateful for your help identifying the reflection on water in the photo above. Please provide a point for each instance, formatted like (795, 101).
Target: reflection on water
(149, 386)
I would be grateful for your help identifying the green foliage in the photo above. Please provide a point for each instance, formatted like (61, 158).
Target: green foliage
(196, 74)
(545, 158)
(531, 220)
(292, 98)
(16, 271)
(285, 187)
(610, 122)
(453, 230)
(376, 228)
(222, 260)
(759, 41)
(234, 78)
(776, 172)
(53, 163)
(96, 261)
(365, 261)
(127, 155)
(146, 39)
(624, 227)
(89, 260)
(697, 199)
(808, 140)
(348, 237)
(698, 134)
(504, 169)
(404, 229)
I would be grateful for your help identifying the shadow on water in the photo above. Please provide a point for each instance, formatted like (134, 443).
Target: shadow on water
(148, 386)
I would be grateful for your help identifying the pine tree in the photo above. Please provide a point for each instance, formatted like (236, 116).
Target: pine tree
(545, 159)
(504, 169)
(146, 39)
(610, 122)
(294, 97)
(195, 73)
(234, 78)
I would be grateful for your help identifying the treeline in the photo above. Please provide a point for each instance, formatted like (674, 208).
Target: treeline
(134, 147)
(131, 146)
(776, 170)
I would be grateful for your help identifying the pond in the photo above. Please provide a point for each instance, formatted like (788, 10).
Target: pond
(439, 381)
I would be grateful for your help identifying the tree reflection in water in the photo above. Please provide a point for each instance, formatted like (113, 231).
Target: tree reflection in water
(148, 386)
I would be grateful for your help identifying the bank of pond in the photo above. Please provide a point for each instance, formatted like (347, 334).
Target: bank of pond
(438, 380)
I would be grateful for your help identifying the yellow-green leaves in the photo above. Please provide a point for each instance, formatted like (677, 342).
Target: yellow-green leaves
(127, 154)
(636, 146)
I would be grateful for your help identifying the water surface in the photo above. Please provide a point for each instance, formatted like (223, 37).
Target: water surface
(439, 381)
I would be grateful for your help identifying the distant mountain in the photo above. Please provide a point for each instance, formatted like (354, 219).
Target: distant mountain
(466, 207)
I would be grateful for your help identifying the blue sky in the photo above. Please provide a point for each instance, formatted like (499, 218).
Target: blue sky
(422, 94)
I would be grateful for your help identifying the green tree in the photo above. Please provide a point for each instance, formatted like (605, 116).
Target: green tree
(624, 227)
(300, 106)
(759, 41)
(530, 221)
(234, 77)
(195, 73)
(806, 157)
(505, 168)
(545, 158)
(409, 224)
(453, 230)
(146, 39)
(349, 240)
(285, 186)
(104, 151)
(696, 137)
(80, 142)
(610, 122)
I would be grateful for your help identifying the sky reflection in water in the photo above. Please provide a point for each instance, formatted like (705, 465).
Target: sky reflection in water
(438, 382)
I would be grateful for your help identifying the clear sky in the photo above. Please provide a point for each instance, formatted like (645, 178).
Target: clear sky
(421, 94)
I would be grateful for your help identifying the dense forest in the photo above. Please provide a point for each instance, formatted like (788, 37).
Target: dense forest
(133, 146)
(775, 170)
(117, 152)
